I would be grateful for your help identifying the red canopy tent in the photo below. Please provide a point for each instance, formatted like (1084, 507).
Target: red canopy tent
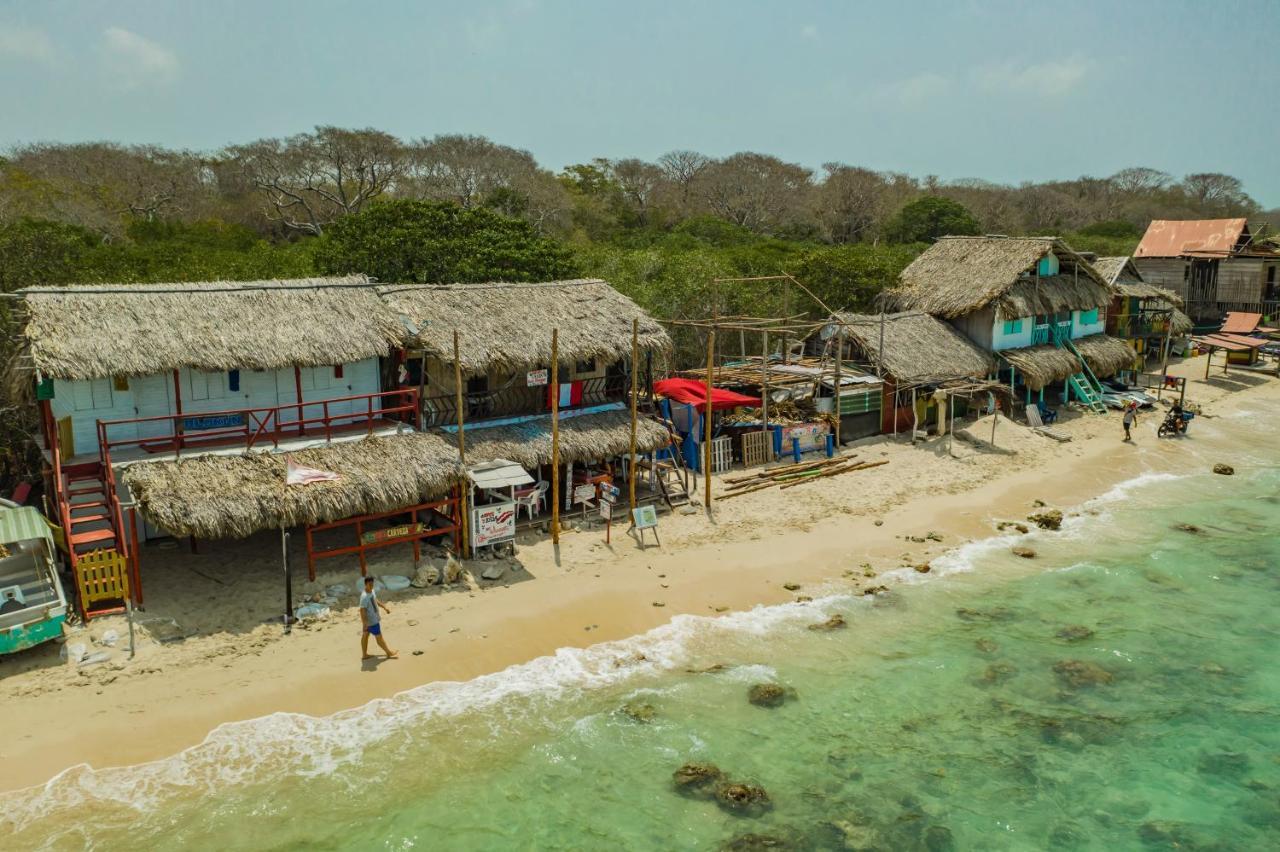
(695, 393)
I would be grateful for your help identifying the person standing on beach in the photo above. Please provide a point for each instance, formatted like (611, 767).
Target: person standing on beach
(1130, 417)
(372, 621)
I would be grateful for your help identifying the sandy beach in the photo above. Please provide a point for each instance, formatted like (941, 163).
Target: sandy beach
(211, 649)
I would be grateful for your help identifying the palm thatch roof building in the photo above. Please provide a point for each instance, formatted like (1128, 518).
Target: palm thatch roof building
(100, 331)
(584, 438)
(1040, 366)
(1126, 281)
(914, 347)
(233, 496)
(507, 327)
(958, 276)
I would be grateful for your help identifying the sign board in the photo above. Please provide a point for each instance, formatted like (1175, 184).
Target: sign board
(537, 378)
(609, 493)
(646, 517)
(584, 493)
(375, 536)
(813, 436)
(606, 510)
(212, 421)
(493, 523)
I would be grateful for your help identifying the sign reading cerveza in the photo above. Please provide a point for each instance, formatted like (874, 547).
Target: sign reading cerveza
(375, 536)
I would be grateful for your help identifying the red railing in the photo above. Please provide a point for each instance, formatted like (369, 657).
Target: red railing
(251, 427)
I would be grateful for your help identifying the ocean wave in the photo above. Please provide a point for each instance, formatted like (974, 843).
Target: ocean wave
(284, 744)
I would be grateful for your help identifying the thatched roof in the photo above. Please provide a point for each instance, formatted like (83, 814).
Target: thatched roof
(1181, 323)
(508, 326)
(917, 347)
(958, 275)
(1043, 365)
(96, 331)
(587, 437)
(1126, 280)
(217, 496)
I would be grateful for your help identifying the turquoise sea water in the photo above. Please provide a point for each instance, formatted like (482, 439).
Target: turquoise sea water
(1120, 691)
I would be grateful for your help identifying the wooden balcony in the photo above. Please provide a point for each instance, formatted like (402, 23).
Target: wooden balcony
(171, 435)
(442, 410)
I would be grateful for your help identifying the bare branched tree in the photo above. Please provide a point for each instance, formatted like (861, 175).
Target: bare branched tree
(312, 179)
(757, 191)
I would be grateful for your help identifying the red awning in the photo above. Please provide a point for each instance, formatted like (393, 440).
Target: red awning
(695, 393)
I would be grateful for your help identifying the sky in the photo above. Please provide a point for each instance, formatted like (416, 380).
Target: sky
(1004, 91)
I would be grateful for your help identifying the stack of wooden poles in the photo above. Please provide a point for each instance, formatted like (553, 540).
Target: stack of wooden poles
(791, 475)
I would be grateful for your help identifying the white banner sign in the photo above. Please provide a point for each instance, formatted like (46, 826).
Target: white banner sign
(493, 523)
(537, 378)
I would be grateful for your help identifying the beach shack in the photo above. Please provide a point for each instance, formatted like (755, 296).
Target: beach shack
(922, 361)
(1034, 303)
(1214, 265)
(208, 409)
(480, 356)
(33, 606)
(1146, 317)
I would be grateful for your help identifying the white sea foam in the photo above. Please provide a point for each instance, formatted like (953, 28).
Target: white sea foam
(283, 744)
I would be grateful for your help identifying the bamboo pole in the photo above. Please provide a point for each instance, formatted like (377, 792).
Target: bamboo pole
(555, 436)
(706, 454)
(635, 356)
(464, 489)
(839, 365)
(764, 397)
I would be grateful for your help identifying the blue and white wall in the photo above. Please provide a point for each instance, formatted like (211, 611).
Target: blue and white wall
(121, 398)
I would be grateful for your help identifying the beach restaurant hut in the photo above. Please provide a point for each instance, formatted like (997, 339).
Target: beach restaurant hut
(502, 332)
(1033, 302)
(135, 375)
(916, 354)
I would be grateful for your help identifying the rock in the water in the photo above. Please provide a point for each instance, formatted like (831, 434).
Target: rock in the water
(493, 572)
(923, 568)
(1187, 528)
(1081, 673)
(1025, 552)
(875, 590)
(1049, 519)
(938, 838)
(697, 779)
(756, 842)
(742, 798)
(999, 672)
(986, 646)
(639, 711)
(1223, 469)
(999, 613)
(1020, 527)
(1231, 764)
(835, 622)
(855, 835)
(791, 587)
(767, 695)
(1075, 633)
(933, 536)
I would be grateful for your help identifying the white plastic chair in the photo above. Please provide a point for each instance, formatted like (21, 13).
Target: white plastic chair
(532, 502)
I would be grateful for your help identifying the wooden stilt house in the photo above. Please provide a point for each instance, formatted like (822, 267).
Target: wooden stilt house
(180, 402)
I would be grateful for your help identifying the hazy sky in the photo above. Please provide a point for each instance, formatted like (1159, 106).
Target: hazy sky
(999, 90)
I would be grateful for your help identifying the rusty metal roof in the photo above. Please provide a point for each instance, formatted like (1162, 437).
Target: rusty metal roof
(1174, 238)
(1239, 322)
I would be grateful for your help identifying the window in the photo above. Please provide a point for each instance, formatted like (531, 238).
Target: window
(1012, 327)
(587, 366)
(478, 384)
(1089, 317)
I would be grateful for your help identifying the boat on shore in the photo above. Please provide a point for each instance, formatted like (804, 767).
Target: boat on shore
(33, 606)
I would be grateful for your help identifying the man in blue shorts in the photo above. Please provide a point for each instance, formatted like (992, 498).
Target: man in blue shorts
(372, 621)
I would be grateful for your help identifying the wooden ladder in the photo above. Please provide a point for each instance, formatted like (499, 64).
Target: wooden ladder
(90, 512)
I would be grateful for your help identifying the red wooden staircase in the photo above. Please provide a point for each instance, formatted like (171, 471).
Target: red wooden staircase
(88, 510)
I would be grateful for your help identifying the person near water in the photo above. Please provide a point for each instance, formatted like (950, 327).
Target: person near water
(1130, 417)
(372, 621)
